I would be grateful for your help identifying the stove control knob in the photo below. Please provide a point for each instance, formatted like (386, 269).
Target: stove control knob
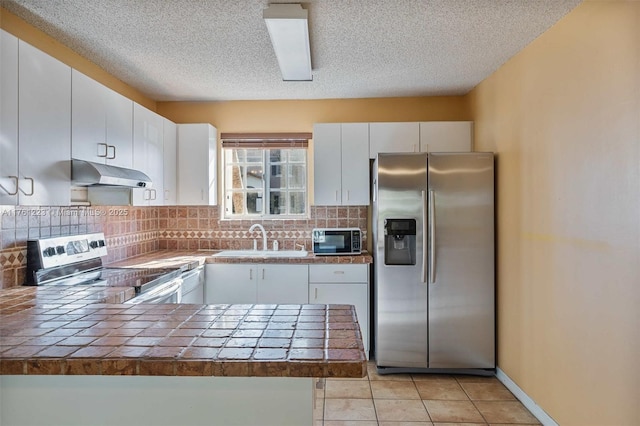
(60, 249)
(101, 243)
(49, 251)
(93, 244)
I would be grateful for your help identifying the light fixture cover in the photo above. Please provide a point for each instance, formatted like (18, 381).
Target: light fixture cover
(289, 32)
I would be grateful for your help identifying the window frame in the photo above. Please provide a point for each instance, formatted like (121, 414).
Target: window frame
(264, 143)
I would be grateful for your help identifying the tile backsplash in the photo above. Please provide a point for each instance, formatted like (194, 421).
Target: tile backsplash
(132, 231)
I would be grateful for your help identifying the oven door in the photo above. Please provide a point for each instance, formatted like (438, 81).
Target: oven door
(169, 292)
(332, 241)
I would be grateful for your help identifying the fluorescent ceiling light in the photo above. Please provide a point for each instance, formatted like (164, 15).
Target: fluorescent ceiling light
(289, 32)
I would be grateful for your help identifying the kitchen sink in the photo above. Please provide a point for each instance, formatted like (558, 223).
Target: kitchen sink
(261, 253)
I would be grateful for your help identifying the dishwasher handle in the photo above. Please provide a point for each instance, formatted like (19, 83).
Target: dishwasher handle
(163, 293)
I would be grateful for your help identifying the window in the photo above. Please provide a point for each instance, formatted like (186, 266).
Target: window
(264, 177)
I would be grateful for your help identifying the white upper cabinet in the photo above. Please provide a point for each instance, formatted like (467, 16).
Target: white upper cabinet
(170, 162)
(197, 159)
(8, 119)
(446, 136)
(119, 129)
(101, 123)
(393, 137)
(341, 164)
(327, 175)
(44, 128)
(148, 134)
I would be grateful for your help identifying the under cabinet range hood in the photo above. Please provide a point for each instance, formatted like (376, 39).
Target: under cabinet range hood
(88, 173)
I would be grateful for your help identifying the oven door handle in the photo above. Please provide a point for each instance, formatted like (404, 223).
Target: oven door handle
(159, 293)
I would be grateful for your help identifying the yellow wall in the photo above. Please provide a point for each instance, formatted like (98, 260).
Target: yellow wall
(299, 115)
(16, 26)
(564, 117)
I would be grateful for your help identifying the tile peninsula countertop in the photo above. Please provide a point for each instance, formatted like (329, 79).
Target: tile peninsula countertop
(89, 331)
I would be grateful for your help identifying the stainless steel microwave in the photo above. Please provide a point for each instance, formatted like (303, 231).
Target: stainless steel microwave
(337, 241)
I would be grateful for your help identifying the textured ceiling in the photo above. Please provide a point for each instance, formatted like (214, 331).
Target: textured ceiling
(220, 49)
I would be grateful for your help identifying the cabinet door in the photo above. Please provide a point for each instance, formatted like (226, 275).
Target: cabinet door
(8, 119)
(44, 128)
(446, 136)
(282, 283)
(170, 162)
(119, 110)
(327, 170)
(230, 283)
(345, 294)
(355, 164)
(88, 119)
(393, 137)
(148, 133)
(197, 164)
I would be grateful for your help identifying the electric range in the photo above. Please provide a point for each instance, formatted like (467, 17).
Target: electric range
(77, 260)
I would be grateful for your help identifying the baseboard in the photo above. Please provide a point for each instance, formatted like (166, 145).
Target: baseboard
(531, 405)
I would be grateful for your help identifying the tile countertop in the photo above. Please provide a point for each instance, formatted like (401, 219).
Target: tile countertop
(87, 331)
(191, 259)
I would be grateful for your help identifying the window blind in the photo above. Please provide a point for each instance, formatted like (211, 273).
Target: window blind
(265, 140)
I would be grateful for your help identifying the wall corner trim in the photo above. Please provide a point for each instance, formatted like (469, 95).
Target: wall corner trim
(526, 400)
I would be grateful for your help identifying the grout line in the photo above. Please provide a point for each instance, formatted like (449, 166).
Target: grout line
(373, 400)
(471, 400)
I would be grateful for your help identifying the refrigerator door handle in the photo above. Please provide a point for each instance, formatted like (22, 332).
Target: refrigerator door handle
(375, 190)
(432, 237)
(424, 237)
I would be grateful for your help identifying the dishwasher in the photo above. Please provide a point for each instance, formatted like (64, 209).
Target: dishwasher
(193, 285)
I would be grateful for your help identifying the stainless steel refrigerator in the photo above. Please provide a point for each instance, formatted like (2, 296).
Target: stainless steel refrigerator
(433, 236)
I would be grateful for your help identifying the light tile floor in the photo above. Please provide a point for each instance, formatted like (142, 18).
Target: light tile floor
(417, 400)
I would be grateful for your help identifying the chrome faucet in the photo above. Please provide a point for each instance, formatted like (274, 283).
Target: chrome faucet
(264, 234)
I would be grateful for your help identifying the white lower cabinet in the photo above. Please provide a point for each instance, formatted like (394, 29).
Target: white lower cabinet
(256, 283)
(282, 284)
(345, 285)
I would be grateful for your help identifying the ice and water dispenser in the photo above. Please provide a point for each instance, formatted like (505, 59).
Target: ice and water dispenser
(400, 241)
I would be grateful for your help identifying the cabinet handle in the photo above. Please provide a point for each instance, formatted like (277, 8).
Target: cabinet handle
(155, 194)
(315, 295)
(15, 178)
(114, 152)
(348, 195)
(337, 195)
(251, 274)
(339, 272)
(263, 273)
(202, 194)
(32, 187)
(166, 195)
(106, 149)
